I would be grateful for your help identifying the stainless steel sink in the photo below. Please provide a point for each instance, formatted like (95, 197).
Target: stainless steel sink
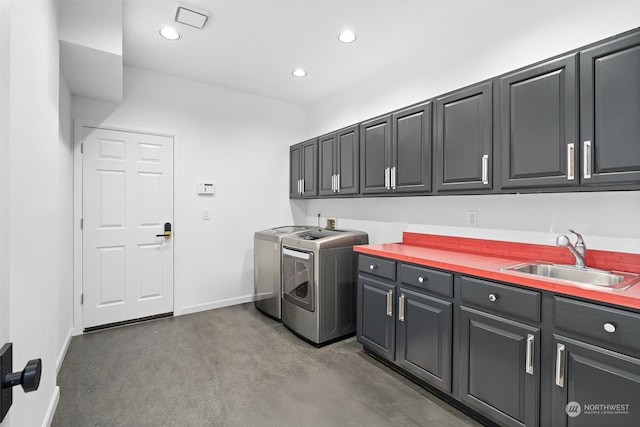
(583, 276)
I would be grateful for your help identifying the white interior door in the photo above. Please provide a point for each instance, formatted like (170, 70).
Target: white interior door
(127, 197)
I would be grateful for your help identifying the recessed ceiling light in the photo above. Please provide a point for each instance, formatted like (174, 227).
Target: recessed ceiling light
(299, 72)
(169, 33)
(347, 36)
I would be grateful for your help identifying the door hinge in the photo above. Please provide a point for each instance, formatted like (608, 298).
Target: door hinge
(82, 299)
(81, 223)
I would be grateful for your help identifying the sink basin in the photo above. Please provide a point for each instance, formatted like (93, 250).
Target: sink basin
(583, 276)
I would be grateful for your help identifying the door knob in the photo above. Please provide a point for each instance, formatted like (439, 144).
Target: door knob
(28, 378)
(167, 230)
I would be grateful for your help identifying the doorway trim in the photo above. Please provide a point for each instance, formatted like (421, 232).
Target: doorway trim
(78, 125)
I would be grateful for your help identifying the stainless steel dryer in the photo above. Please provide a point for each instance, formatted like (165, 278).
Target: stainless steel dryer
(267, 273)
(319, 274)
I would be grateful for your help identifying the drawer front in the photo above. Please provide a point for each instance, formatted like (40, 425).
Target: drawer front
(505, 299)
(596, 321)
(434, 281)
(380, 267)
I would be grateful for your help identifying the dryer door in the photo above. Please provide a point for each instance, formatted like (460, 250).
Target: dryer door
(297, 278)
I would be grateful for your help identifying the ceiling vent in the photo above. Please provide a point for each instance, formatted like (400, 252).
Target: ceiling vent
(188, 16)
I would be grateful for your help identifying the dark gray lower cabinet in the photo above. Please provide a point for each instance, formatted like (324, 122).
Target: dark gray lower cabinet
(376, 328)
(424, 337)
(500, 368)
(594, 386)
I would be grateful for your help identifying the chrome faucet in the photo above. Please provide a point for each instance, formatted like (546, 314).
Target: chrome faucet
(578, 251)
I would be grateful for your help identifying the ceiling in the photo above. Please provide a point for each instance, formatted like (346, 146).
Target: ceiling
(254, 45)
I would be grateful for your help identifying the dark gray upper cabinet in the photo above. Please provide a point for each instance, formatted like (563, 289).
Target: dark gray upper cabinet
(375, 155)
(539, 126)
(411, 149)
(339, 162)
(303, 172)
(396, 152)
(610, 112)
(464, 139)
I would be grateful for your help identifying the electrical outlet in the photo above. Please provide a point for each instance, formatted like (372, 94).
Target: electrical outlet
(472, 218)
(331, 223)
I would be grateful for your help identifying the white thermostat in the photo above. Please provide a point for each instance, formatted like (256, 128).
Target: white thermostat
(206, 188)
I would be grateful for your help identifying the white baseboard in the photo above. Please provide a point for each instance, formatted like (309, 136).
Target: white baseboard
(63, 351)
(214, 304)
(53, 405)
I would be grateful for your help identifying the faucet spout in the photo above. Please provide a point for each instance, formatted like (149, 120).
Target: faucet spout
(578, 251)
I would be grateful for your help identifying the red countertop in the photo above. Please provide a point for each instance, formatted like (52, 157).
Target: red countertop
(484, 258)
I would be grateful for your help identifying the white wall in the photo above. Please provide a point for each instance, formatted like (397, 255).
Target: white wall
(4, 171)
(238, 141)
(64, 215)
(608, 220)
(37, 197)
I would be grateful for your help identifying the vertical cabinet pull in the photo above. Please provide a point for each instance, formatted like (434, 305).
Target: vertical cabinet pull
(337, 183)
(530, 350)
(393, 178)
(299, 186)
(401, 308)
(485, 169)
(387, 183)
(334, 183)
(560, 365)
(390, 303)
(587, 160)
(571, 170)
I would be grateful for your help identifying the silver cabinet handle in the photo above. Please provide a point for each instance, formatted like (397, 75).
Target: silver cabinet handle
(373, 267)
(560, 365)
(586, 165)
(571, 168)
(338, 183)
(390, 303)
(302, 186)
(610, 327)
(401, 308)
(420, 279)
(529, 358)
(485, 169)
(492, 297)
(387, 183)
(393, 178)
(333, 183)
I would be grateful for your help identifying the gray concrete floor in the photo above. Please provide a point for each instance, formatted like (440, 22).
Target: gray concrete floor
(234, 367)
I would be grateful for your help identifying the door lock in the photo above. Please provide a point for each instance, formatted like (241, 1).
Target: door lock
(28, 378)
(167, 231)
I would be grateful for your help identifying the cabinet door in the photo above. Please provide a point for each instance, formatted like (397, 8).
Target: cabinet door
(411, 156)
(424, 337)
(500, 368)
(295, 171)
(310, 168)
(375, 155)
(347, 161)
(539, 126)
(375, 327)
(610, 112)
(587, 379)
(326, 155)
(464, 139)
